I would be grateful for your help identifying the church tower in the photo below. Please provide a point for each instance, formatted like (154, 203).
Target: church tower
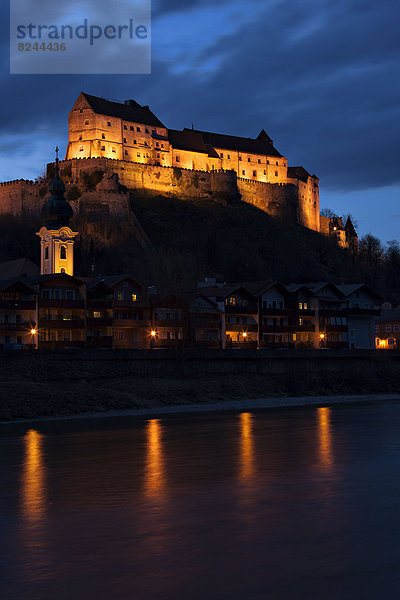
(56, 237)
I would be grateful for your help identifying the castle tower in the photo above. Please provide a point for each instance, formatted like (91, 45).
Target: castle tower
(56, 237)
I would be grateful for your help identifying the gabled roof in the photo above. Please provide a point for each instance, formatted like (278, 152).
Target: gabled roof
(20, 267)
(191, 141)
(113, 280)
(349, 227)
(258, 288)
(220, 293)
(260, 145)
(37, 279)
(128, 112)
(16, 284)
(298, 173)
(389, 315)
(350, 288)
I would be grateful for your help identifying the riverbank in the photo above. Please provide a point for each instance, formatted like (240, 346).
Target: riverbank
(253, 404)
(57, 384)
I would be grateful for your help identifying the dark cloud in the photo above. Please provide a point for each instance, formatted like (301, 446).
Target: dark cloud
(321, 77)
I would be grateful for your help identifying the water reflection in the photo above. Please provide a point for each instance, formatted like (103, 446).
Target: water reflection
(325, 437)
(33, 478)
(246, 447)
(154, 473)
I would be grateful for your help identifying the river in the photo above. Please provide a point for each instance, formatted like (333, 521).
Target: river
(282, 504)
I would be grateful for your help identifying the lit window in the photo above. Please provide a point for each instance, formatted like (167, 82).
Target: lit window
(134, 297)
(96, 315)
(300, 305)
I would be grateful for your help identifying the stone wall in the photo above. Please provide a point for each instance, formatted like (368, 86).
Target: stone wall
(20, 197)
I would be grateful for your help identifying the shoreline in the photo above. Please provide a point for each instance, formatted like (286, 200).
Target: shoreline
(222, 406)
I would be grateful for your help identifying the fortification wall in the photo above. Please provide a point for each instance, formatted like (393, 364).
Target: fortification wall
(278, 200)
(20, 197)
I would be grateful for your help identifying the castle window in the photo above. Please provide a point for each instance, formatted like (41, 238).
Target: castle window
(63, 253)
(178, 159)
(135, 141)
(243, 172)
(81, 149)
(46, 253)
(126, 152)
(62, 270)
(229, 155)
(81, 111)
(125, 127)
(147, 131)
(276, 175)
(113, 150)
(80, 137)
(265, 172)
(157, 144)
(277, 163)
(132, 128)
(145, 143)
(267, 162)
(254, 173)
(125, 141)
(103, 148)
(222, 155)
(109, 123)
(240, 158)
(86, 122)
(248, 159)
(138, 154)
(103, 137)
(158, 156)
(137, 128)
(162, 145)
(259, 161)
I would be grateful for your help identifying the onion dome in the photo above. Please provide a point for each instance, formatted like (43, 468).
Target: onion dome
(56, 212)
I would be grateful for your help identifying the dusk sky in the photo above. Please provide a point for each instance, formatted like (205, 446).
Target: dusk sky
(322, 77)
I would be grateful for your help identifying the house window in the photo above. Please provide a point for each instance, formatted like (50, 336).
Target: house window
(396, 327)
(388, 327)
(352, 333)
(267, 162)
(265, 172)
(377, 329)
(63, 253)
(240, 158)
(46, 294)
(157, 145)
(277, 163)
(70, 294)
(222, 155)
(276, 175)
(80, 138)
(121, 335)
(67, 336)
(300, 305)
(126, 152)
(134, 297)
(120, 296)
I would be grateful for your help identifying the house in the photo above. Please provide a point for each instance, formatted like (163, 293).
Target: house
(387, 330)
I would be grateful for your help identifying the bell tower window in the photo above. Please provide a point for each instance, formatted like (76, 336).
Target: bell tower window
(46, 253)
(63, 253)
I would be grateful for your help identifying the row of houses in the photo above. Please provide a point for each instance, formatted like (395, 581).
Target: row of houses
(61, 311)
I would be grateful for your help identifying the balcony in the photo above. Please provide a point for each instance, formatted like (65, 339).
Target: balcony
(278, 329)
(335, 328)
(18, 304)
(310, 327)
(364, 312)
(14, 326)
(101, 341)
(132, 323)
(74, 323)
(95, 304)
(169, 323)
(277, 311)
(250, 328)
(241, 310)
(45, 303)
(99, 321)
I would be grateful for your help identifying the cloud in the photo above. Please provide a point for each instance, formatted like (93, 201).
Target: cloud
(322, 78)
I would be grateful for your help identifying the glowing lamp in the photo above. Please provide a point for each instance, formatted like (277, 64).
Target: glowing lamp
(153, 333)
(245, 335)
(322, 335)
(33, 331)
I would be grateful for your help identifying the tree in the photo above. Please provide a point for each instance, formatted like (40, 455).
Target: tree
(328, 212)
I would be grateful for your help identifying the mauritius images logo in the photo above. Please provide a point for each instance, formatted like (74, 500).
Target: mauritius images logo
(86, 37)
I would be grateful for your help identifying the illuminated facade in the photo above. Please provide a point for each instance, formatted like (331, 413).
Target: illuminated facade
(56, 237)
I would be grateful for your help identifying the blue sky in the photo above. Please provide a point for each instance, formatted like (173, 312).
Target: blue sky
(322, 77)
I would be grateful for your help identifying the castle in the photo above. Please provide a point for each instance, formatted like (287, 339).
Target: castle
(133, 149)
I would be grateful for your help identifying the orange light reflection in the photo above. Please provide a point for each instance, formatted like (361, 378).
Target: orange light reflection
(325, 436)
(33, 479)
(154, 476)
(246, 447)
